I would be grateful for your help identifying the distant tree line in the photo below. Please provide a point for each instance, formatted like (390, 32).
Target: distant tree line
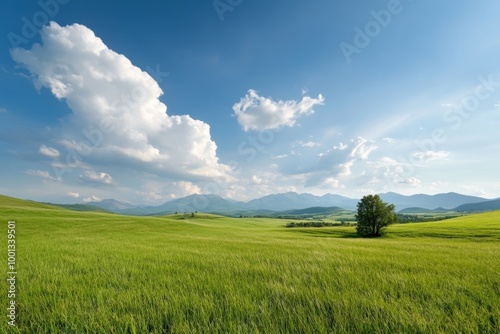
(403, 219)
(316, 224)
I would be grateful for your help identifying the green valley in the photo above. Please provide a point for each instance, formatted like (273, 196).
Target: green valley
(95, 272)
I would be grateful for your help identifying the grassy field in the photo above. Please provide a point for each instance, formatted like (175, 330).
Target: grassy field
(87, 272)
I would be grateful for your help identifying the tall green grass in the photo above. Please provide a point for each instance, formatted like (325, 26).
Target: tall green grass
(86, 272)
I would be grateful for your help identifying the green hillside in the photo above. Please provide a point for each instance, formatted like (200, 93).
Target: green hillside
(10, 203)
(92, 272)
(80, 207)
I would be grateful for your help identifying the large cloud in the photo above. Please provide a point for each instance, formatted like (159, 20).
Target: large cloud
(117, 117)
(258, 113)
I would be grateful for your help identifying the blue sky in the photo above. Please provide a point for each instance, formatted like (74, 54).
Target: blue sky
(146, 101)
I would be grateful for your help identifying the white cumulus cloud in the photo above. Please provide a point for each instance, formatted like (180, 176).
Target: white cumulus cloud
(73, 194)
(256, 180)
(259, 113)
(49, 151)
(93, 177)
(413, 181)
(117, 117)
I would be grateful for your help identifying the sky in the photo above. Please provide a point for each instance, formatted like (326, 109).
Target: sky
(148, 101)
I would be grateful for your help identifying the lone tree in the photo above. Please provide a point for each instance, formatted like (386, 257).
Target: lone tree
(373, 215)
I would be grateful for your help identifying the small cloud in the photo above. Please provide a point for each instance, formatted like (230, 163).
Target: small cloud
(74, 195)
(340, 147)
(447, 105)
(259, 113)
(185, 188)
(256, 180)
(92, 199)
(96, 178)
(3, 110)
(281, 156)
(308, 144)
(430, 155)
(413, 181)
(49, 151)
(332, 183)
(388, 140)
(43, 174)
(304, 91)
(150, 196)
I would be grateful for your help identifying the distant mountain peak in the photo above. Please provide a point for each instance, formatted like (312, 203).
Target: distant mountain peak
(291, 200)
(111, 204)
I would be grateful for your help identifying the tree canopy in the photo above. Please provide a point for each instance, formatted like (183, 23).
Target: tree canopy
(373, 215)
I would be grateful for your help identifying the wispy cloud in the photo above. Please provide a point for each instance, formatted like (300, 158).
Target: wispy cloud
(43, 174)
(337, 162)
(430, 155)
(308, 144)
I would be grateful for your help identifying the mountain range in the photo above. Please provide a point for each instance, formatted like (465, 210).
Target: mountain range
(294, 201)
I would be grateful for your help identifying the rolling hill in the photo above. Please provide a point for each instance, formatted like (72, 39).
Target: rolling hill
(315, 210)
(94, 272)
(481, 206)
(112, 205)
(447, 201)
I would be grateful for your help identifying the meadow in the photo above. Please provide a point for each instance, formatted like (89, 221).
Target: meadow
(90, 272)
